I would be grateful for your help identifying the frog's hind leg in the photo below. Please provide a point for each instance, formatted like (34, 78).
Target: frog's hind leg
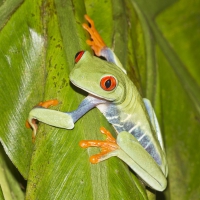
(154, 121)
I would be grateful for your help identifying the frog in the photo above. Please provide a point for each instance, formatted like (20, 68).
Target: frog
(139, 140)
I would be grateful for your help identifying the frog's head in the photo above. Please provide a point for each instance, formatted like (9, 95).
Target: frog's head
(98, 77)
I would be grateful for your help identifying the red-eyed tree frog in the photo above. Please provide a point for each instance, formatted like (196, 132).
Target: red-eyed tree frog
(139, 141)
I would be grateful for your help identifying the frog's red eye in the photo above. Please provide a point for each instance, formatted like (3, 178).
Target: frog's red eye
(108, 83)
(78, 56)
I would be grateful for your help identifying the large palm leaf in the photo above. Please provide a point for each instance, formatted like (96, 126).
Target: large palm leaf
(157, 42)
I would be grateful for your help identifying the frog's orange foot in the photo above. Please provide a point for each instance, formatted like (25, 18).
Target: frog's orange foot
(96, 42)
(47, 104)
(106, 146)
(34, 122)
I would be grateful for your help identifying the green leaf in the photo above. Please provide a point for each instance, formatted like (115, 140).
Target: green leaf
(38, 41)
(36, 59)
(22, 51)
(11, 182)
(1, 194)
(178, 87)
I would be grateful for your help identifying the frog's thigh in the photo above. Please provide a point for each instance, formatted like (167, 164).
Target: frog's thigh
(154, 121)
(140, 161)
(150, 110)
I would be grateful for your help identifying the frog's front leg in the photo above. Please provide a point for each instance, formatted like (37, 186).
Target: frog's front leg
(96, 42)
(32, 122)
(57, 118)
(128, 149)
(98, 45)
